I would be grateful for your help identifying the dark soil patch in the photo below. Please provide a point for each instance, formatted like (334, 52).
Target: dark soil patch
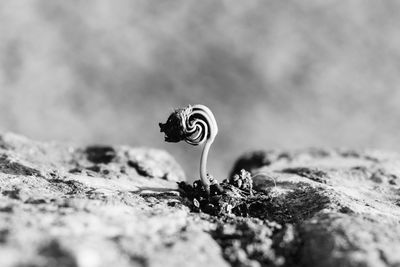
(8, 166)
(246, 242)
(13, 193)
(100, 154)
(139, 168)
(227, 200)
(253, 227)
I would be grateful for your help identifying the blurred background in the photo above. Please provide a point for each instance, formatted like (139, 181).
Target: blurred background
(277, 74)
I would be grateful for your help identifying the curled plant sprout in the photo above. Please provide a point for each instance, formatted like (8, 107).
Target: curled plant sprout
(195, 125)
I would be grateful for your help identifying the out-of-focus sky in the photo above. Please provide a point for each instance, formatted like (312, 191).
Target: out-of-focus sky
(277, 74)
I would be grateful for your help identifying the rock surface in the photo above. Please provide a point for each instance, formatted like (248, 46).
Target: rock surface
(62, 205)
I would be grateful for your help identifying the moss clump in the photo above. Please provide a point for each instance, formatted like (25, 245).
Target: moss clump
(226, 198)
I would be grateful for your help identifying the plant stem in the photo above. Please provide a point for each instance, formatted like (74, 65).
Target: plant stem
(203, 165)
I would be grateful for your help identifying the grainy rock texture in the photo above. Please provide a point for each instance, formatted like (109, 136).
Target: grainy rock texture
(63, 205)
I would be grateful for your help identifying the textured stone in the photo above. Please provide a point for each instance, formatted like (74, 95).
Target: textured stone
(62, 205)
(59, 208)
(344, 205)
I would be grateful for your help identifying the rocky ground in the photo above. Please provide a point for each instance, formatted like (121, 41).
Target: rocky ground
(62, 205)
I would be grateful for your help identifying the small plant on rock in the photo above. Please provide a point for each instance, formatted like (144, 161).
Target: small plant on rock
(195, 125)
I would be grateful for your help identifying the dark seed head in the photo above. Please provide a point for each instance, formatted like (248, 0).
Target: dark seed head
(173, 128)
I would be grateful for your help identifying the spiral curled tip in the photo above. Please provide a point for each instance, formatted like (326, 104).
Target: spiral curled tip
(193, 124)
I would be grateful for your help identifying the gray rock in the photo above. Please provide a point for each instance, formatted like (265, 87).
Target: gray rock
(57, 208)
(343, 206)
(62, 205)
